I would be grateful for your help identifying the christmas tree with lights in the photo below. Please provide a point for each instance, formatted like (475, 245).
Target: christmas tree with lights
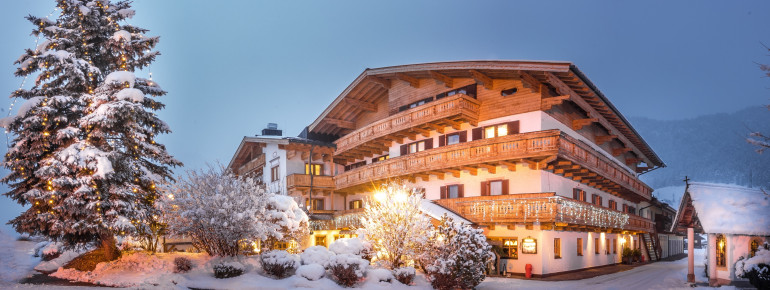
(85, 156)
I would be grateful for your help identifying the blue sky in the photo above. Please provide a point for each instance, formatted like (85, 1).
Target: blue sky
(231, 66)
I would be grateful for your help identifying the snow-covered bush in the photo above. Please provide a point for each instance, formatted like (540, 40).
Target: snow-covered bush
(756, 269)
(220, 211)
(48, 250)
(316, 255)
(228, 270)
(311, 272)
(379, 275)
(405, 275)
(347, 269)
(279, 264)
(353, 246)
(457, 256)
(182, 265)
(395, 225)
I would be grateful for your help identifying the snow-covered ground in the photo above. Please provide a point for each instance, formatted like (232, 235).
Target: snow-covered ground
(16, 260)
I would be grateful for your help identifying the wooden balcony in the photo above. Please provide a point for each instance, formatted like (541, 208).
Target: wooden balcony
(449, 111)
(343, 219)
(303, 180)
(252, 165)
(548, 150)
(547, 209)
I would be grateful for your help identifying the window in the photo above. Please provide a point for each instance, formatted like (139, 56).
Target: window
(415, 104)
(578, 194)
(613, 204)
(452, 191)
(497, 130)
(495, 187)
(274, 173)
(720, 254)
(355, 165)
(753, 247)
(281, 246)
(355, 204)
(320, 241)
(469, 90)
(607, 247)
(614, 246)
(579, 247)
(314, 169)
(596, 199)
(453, 138)
(416, 146)
(381, 158)
(596, 246)
(557, 248)
(318, 203)
(511, 248)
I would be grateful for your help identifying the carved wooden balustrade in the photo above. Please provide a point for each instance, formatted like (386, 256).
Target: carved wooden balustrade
(303, 180)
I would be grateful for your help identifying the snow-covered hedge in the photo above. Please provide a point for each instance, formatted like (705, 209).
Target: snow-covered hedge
(756, 269)
(348, 269)
(379, 275)
(228, 270)
(352, 246)
(279, 264)
(311, 272)
(405, 275)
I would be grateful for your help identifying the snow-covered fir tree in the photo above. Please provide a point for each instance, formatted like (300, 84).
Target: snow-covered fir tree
(84, 154)
(395, 225)
(456, 256)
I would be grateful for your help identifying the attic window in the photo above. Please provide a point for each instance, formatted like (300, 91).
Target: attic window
(509, 92)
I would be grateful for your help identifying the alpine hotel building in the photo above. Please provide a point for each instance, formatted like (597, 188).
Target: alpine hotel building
(530, 151)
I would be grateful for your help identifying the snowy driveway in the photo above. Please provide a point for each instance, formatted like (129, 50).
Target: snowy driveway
(660, 275)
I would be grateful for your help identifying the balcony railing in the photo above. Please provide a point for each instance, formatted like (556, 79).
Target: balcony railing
(543, 143)
(519, 146)
(344, 219)
(303, 180)
(457, 105)
(251, 165)
(542, 208)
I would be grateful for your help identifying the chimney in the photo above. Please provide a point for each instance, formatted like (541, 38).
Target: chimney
(272, 130)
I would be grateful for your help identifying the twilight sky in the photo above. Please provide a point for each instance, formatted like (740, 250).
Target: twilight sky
(232, 66)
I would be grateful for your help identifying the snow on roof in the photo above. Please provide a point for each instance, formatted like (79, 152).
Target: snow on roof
(436, 211)
(731, 209)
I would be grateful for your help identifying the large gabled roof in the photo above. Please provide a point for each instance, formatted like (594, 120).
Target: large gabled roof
(248, 141)
(372, 85)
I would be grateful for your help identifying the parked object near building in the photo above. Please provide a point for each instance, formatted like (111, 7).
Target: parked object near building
(530, 151)
(736, 220)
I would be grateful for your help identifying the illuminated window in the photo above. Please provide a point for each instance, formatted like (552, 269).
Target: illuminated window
(381, 158)
(417, 147)
(753, 247)
(355, 204)
(511, 248)
(281, 246)
(557, 248)
(489, 132)
(720, 254)
(320, 241)
(502, 130)
(314, 169)
(318, 203)
(579, 247)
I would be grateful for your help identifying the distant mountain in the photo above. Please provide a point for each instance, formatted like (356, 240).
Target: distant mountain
(709, 148)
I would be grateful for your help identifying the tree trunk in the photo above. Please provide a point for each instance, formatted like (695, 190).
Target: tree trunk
(109, 246)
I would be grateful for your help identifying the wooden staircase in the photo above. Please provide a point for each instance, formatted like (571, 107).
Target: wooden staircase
(651, 245)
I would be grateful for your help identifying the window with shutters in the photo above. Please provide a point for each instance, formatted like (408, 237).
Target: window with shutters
(579, 247)
(381, 158)
(453, 138)
(415, 147)
(452, 191)
(596, 199)
(613, 204)
(314, 169)
(557, 248)
(496, 130)
(355, 165)
(495, 187)
(596, 246)
(274, 173)
(318, 203)
(578, 194)
(355, 204)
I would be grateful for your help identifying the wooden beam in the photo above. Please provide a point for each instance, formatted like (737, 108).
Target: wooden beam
(413, 81)
(438, 174)
(604, 139)
(342, 123)
(483, 79)
(580, 123)
(454, 124)
(490, 168)
(510, 165)
(380, 81)
(632, 161)
(424, 177)
(443, 79)
(366, 106)
(548, 103)
(530, 82)
(532, 164)
(422, 131)
(472, 170)
(543, 163)
(454, 172)
(437, 127)
(620, 151)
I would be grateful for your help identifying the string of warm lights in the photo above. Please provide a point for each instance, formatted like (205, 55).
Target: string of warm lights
(554, 208)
